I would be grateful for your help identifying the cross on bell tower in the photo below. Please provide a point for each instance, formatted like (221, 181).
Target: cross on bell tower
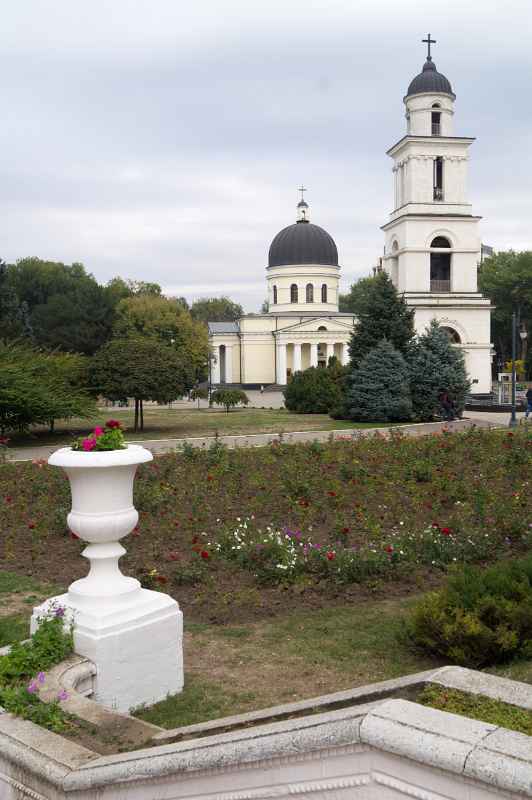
(302, 206)
(429, 41)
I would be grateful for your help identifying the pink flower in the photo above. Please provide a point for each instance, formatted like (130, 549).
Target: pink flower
(62, 695)
(32, 687)
(98, 431)
(41, 677)
(88, 444)
(113, 423)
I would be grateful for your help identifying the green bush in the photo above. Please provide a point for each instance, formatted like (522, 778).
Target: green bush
(22, 673)
(315, 390)
(378, 390)
(481, 617)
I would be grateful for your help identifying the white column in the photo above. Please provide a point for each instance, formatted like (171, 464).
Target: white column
(329, 351)
(313, 354)
(345, 354)
(228, 363)
(281, 364)
(297, 357)
(215, 368)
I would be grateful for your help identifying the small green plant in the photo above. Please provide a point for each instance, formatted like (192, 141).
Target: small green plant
(199, 393)
(23, 672)
(478, 707)
(110, 437)
(229, 398)
(481, 617)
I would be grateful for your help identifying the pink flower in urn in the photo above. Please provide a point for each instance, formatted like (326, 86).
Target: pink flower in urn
(88, 444)
(98, 430)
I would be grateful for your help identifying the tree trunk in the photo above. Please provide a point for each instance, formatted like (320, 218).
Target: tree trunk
(136, 426)
(142, 414)
(52, 425)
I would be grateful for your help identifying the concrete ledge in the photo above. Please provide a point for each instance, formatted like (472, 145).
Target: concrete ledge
(451, 756)
(468, 680)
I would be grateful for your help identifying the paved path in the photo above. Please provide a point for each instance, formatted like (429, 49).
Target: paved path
(158, 446)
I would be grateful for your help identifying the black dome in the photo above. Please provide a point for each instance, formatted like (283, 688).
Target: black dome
(303, 243)
(430, 80)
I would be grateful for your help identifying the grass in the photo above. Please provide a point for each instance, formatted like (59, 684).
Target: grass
(11, 583)
(477, 707)
(188, 422)
(232, 669)
(13, 628)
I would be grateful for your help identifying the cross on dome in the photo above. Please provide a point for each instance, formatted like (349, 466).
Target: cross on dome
(429, 41)
(302, 206)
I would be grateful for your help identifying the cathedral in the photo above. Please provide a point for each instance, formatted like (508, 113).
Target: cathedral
(431, 252)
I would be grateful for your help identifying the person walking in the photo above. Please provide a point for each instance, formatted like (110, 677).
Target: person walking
(447, 406)
(528, 403)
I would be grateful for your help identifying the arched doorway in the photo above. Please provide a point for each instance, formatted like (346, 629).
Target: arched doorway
(453, 335)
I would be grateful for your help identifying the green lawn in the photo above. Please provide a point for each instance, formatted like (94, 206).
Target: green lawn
(231, 669)
(180, 423)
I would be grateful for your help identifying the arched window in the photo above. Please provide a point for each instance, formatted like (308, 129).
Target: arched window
(310, 293)
(323, 292)
(440, 266)
(275, 295)
(293, 293)
(436, 120)
(322, 328)
(453, 335)
(440, 241)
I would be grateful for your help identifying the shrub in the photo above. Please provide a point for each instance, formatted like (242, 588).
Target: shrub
(229, 398)
(22, 673)
(315, 390)
(378, 390)
(481, 617)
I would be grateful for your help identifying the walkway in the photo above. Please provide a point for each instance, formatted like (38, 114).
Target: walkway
(158, 446)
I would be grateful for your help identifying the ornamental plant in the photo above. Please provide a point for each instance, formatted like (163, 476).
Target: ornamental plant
(110, 437)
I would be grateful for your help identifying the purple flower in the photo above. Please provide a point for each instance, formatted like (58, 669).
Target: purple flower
(32, 687)
(63, 695)
(41, 677)
(298, 534)
(59, 612)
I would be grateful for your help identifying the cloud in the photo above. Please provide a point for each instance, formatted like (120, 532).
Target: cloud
(166, 140)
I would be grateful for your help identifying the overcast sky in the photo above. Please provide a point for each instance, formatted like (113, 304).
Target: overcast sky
(164, 140)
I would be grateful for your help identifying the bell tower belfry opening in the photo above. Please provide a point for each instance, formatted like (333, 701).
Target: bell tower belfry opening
(432, 241)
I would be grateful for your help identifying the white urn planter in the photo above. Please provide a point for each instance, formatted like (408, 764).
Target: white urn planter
(134, 636)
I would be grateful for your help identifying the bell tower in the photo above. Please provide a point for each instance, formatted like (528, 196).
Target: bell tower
(432, 241)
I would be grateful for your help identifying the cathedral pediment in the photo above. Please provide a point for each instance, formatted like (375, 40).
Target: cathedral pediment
(341, 324)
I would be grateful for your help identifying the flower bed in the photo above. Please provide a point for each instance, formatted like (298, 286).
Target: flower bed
(224, 529)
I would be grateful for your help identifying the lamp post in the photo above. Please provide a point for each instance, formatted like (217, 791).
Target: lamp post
(523, 334)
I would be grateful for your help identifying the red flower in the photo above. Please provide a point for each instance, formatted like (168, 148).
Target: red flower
(446, 531)
(345, 530)
(205, 554)
(135, 531)
(8, 498)
(161, 579)
(330, 555)
(195, 540)
(303, 503)
(31, 525)
(435, 525)
(389, 549)
(4, 440)
(210, 477)
(173, 556)
(74, 535)
(331, 494)
(113, 423)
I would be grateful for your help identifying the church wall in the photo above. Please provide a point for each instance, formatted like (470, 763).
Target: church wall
(259, 323)
(316, 274)
(473, 327)
(419, 109)
(259, 361)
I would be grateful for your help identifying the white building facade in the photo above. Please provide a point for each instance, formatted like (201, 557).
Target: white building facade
(432, 241)
(302, 328)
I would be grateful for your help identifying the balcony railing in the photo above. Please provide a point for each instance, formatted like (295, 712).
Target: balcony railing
(440, 286)
(436, 128)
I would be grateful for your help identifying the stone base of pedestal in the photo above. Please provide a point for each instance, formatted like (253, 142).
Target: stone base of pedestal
(137, 646)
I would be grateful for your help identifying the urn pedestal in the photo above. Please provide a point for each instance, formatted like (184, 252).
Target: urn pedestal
(134, 636)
